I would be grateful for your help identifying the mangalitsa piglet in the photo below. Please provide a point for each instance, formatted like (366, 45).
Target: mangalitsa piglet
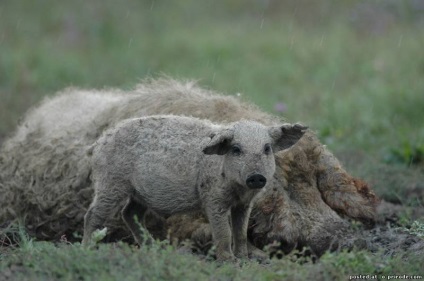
(173, 164)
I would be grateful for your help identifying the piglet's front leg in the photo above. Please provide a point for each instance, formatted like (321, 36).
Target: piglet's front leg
(240, 218)
(221, 233)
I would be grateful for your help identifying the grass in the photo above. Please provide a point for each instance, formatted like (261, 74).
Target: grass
(357, 82)
(64, 261)
(355, 90)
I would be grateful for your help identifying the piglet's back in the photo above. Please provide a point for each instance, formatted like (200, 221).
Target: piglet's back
(156, 154)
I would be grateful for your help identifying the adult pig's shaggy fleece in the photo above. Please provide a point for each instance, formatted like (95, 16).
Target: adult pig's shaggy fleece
(45, 169)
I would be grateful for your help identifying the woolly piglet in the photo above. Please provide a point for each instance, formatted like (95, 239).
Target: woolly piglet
(173, 164)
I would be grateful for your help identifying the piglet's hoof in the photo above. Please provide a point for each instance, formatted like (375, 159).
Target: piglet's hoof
(258, 255)
(227, 258)
(185, 250)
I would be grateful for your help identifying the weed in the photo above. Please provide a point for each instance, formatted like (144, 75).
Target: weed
(416, 228)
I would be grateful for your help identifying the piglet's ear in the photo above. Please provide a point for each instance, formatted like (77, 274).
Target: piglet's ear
(220, 142)
(286, 135)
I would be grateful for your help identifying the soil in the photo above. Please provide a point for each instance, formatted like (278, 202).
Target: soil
(388, 236)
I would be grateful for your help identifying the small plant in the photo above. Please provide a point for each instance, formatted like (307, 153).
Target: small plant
(145, 235)
(417, 228)
(14, 236)
(99, 234)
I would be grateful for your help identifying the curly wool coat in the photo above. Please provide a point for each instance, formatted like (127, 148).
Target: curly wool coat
(45, 170)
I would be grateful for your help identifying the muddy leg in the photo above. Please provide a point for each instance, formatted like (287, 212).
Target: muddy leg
(221, 234)
(132, 214)
(240, 218)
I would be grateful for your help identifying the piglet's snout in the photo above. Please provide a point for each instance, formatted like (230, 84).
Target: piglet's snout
(256, 181)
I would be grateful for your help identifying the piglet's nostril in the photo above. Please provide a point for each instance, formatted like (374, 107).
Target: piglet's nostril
(256, 181)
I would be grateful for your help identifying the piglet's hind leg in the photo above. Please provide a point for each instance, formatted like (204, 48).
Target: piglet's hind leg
(102, 208)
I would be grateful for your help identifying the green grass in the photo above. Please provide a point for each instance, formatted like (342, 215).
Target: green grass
(355, 90)
(160, 261)
(362, 91)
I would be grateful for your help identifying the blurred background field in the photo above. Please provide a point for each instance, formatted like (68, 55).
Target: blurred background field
(352, 70)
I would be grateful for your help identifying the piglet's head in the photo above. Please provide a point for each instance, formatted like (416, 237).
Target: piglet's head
(248, 149)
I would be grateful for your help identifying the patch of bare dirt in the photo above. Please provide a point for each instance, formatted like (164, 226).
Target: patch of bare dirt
(389, 236)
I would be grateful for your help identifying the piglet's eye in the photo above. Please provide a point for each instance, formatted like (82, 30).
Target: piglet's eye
(267, 148)
(236, 150)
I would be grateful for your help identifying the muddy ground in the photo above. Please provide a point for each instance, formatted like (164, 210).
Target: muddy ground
(389, 235)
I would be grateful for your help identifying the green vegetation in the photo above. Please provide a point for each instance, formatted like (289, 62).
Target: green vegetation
(161, 261)
(417, 228)
(352, 71)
